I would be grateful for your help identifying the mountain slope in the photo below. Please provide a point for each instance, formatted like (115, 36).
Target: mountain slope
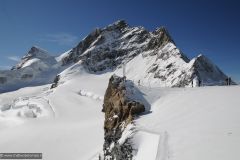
(184, 123)
(193, 123)
(150, 58)
(162, 63)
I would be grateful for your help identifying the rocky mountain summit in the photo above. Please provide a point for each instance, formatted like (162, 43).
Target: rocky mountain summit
(161, 62)
(117, 43)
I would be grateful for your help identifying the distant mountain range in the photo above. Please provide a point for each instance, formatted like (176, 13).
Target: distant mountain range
(150, 58)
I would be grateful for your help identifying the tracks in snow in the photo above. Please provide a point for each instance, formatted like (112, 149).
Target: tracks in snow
(90, 95)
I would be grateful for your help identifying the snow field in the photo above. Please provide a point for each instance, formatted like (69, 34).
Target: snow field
(182, 123)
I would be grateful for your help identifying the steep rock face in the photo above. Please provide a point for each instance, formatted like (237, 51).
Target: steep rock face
(160, 38)
(119, 109)
(109, 47)
(170, 67)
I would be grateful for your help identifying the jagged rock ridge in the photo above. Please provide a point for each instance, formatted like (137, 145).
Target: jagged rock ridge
(108, 47)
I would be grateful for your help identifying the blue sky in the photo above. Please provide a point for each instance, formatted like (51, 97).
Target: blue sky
(210, 28)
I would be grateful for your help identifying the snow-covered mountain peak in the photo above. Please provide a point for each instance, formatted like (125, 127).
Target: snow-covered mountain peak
(37, 52)
(210, 74)
(40, 57)
(35, 68)
(162, 62)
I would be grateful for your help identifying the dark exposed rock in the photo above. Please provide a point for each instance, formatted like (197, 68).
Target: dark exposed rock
(161, 38)
(169, 66)
(119, 111)
(118, 25)
(153, 68)
(55, 82)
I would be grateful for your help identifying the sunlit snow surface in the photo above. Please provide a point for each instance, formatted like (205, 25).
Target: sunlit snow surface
(67, 122)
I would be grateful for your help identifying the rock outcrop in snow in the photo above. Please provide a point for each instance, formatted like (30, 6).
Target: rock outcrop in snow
(119, 108)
